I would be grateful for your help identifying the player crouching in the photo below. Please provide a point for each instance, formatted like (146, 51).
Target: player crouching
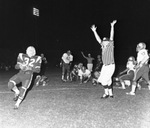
(84, 75)
(126, 76)
(27, 64)
(41, 80)
(74, 73)
(96, 75)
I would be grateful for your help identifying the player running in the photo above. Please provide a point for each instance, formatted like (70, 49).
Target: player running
(27, 64)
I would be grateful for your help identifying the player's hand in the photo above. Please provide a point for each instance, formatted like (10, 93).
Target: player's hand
(28, 68)
(22, 67)
(114, 22)
(93, 28)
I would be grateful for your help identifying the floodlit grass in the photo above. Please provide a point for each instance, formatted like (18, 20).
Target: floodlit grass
(70, 105)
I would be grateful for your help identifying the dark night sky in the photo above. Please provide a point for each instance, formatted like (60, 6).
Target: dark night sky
(65, 24)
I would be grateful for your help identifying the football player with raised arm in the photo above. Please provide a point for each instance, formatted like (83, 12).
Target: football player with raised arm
(27, 64)
(108, 68)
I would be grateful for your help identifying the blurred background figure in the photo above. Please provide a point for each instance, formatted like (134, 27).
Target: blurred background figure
(84, 75)
(89, 59)
(66, 62)
(99, 63)
(41, 79)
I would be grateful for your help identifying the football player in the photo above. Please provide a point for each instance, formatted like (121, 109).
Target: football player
(141, 69)
(84, 75)
(67, 59)
(95, 77)
(127, 75)
(99, 63)
(74, 73)
(41, 79)
(27, 64)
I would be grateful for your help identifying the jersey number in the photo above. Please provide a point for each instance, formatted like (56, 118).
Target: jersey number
(29, 62)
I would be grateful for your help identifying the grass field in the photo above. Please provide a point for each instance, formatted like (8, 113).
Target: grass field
(70, 105)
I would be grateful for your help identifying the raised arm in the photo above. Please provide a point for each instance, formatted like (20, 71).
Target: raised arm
(93, 28)
(112, 30)
(83, 55)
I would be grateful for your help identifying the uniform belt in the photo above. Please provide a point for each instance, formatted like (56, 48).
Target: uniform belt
(108, 64)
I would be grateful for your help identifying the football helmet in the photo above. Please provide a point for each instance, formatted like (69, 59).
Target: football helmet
(31, 51)
(80, 65)
(106, 39)
(96, 74)
(131, 58)
(140, 46)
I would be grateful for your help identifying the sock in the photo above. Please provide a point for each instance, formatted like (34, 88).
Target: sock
(62, 77)
(15, 89)
(106, 90)
(18, 102)
(110, 92)
(133, 88)
(123, 85)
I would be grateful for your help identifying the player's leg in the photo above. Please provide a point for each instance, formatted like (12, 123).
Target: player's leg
(90, 67)
(137, 76)
(110, 70)
(12, 85)
(122, 79)
(44, 80)
(37, 80)
(102, 80)
(146, 76)
(63, 72)
(87, 78)
(26, 82)
(126, 79)
(68, 71)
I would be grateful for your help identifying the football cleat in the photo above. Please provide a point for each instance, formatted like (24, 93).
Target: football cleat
(111, 96)
(16, 107)
(63, 80)
(44, 83)
(104, 96)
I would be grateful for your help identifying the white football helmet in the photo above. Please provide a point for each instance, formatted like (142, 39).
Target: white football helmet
(31, 51)
(132, 58)
(140, 46)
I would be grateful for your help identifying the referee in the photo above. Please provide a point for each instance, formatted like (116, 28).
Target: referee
(108, 68)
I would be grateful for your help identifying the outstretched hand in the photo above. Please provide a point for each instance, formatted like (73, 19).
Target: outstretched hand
(93, 28)
(114, 22)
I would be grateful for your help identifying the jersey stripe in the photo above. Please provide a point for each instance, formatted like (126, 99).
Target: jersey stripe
(108, 54)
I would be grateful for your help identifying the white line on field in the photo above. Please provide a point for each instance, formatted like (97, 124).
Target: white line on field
(59, 89)
(50, 89)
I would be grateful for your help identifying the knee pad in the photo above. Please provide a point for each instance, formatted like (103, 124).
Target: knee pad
(11, 84)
